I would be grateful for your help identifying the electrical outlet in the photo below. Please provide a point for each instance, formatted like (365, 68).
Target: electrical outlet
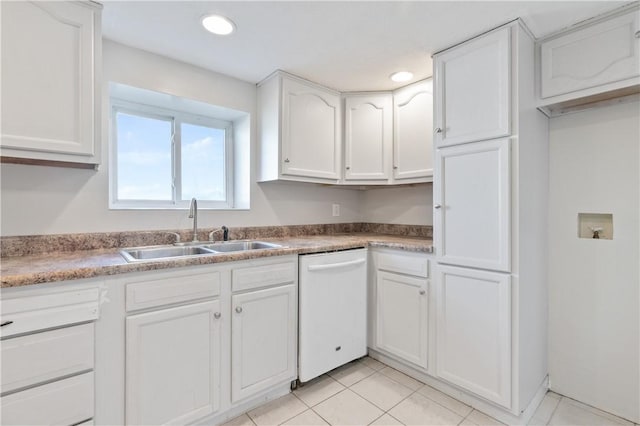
(336, 209)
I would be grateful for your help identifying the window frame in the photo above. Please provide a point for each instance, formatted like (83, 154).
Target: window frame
(176, 118)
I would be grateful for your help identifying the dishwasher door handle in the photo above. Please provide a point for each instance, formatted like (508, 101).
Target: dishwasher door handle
(313, 268)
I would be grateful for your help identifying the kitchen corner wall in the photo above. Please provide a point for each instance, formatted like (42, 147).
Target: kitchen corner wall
(53, 200)
(400, 205)
(594, 284)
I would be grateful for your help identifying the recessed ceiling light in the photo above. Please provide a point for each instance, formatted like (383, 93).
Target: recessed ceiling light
(401, 76)
(218, 24)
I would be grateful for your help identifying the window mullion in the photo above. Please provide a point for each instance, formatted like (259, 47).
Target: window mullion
(177, 162)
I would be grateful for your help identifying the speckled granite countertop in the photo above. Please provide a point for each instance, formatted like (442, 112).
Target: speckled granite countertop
(61, 266)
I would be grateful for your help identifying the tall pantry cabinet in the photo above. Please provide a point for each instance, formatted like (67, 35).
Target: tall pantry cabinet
(490, 215)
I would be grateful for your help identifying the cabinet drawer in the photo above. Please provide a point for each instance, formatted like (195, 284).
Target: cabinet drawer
(36, 358)
(404, 263)
(263, 276)
(32, 311)
(65, 402)
(169, 288)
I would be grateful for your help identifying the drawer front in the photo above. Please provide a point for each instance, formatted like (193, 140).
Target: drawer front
(263, 276)
(40, 357)
(65, 402)
(171, 288)
(404, 263)
(48, 309)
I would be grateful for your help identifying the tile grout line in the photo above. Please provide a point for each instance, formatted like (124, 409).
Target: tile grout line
(323, 400)
(295, 415)
(320, 415)
(414, 392)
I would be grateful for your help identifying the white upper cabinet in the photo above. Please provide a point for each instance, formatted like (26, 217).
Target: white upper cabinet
(592, 59)
(368, 137)
(413, 133)
(473, 96)
(300, 131)
(595, 55)
(472, 202)
(50, 91)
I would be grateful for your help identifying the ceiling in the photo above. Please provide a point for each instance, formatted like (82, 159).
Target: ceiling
(347, 45)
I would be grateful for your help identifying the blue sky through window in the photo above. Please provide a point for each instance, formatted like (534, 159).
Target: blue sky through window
(203, 163)
(144, 158)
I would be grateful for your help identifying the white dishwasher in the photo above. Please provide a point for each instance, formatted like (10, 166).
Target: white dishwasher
(333, 311)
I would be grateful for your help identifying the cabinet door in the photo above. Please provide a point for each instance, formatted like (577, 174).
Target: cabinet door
(368, 134)
(472, 205)
(413, 131)
(311, 131)
(173, 364)
(473, 331)
(599, 54)
(473, 90)
(48, 60)
(263, 334)
(402, 316)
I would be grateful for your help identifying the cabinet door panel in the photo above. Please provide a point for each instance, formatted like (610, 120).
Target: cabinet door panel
(472, 225)
(474, 90)
(603, 53)
(368, 135)
(173, 364)
(413, 131)
(263, 334)
(473, 331)
(402, 317)
(311, 130)
(48, 108)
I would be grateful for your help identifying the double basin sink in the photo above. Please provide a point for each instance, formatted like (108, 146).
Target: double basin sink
(141, 254)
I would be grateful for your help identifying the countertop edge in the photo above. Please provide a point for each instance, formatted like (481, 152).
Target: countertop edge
(117, 266)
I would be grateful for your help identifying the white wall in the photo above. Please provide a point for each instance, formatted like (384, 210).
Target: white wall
(412, 205)
(594, 285)
(52, 200)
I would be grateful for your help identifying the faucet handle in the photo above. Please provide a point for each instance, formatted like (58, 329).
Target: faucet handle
(176, 235)
(225, 233)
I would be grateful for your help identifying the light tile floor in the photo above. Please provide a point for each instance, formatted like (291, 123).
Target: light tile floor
(367, 392)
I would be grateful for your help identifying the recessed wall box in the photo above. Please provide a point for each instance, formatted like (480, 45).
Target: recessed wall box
(595, 226)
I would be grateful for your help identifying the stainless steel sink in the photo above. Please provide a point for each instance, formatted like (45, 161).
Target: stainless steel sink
(229, 246)
(140, 254)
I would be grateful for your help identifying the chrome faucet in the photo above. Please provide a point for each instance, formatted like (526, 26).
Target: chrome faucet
(193, 214)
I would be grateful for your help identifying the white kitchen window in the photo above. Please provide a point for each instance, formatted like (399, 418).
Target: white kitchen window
(162, 158)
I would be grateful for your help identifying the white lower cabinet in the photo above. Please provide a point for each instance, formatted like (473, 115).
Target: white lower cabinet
(47, 353)
(173, 364)
(399, 309)
(402, 316)
(196, 344)
(263, 340)
(473, 330)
